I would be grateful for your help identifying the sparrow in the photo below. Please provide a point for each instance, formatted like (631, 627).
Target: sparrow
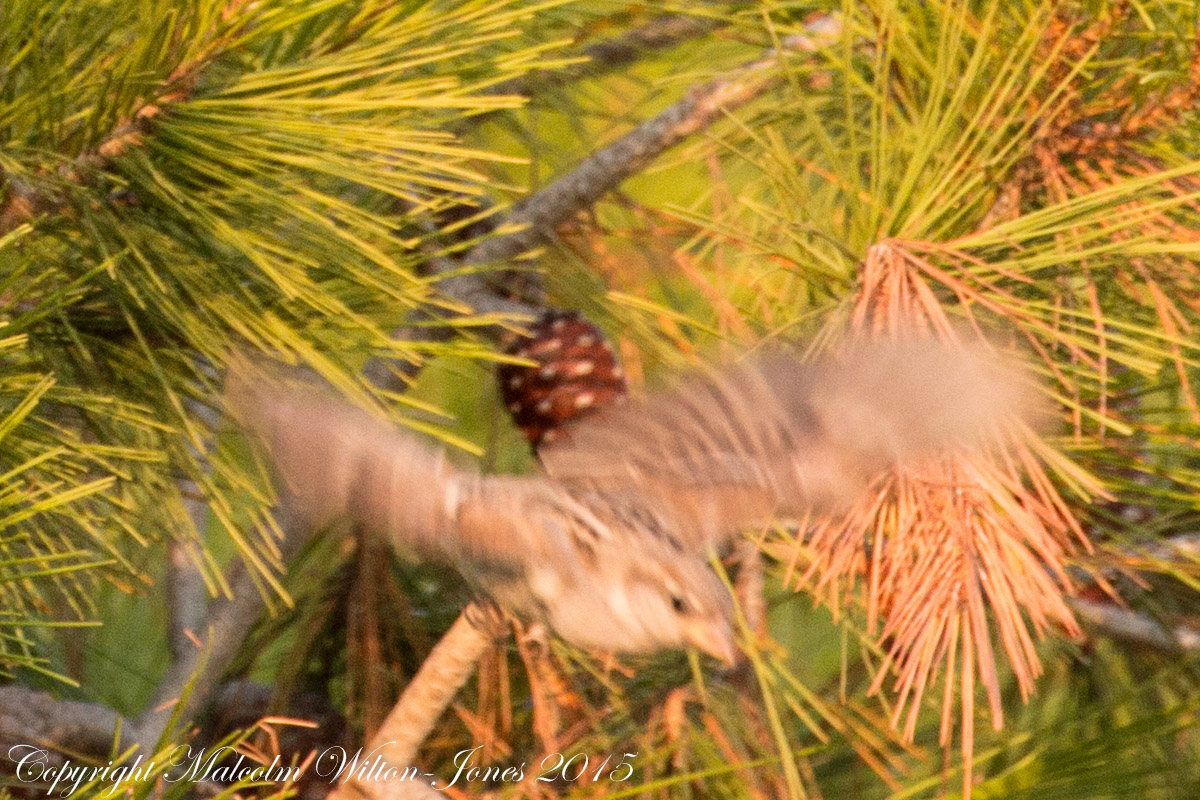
(609, 548)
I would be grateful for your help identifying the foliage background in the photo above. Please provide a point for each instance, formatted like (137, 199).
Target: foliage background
(181, 182)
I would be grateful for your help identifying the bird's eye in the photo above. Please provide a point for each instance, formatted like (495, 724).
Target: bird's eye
(678, 604)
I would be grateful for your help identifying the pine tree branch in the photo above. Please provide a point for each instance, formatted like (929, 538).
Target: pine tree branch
(542, 212)
(192, 679)
(1181, 547)
(36, 718)
(22, 203)
(187, 593)
(1127, 625)
(426, 697)
(656, 34)
(1107, 618)
(619, 51)
(539, 215)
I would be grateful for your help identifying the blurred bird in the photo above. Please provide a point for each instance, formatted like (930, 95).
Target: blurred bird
(609, 547)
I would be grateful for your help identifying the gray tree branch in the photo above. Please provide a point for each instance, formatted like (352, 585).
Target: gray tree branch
(1113, 621)
(191, 679)
(36, 718)
(658, 34)
(541, 213)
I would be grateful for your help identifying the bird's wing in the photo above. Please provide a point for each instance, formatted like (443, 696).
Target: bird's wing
(336, 461)
(782, 436)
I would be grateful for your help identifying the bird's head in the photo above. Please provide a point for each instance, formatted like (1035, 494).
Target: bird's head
(682, 603)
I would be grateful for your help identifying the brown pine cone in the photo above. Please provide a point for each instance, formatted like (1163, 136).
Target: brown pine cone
(577, 372)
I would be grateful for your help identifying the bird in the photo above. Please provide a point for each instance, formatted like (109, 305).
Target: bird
(610, 547)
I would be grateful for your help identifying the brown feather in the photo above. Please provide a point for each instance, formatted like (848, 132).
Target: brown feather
(778, 435)
(337, 461)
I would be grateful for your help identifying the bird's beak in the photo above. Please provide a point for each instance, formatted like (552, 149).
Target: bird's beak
(713, 637)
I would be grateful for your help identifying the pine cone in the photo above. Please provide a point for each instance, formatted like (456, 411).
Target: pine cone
(577, 373)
